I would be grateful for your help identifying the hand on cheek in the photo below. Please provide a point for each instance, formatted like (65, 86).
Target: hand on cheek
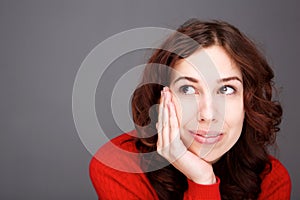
(171, 147)
(169, 144)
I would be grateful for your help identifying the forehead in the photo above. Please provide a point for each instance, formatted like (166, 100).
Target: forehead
(209, 63)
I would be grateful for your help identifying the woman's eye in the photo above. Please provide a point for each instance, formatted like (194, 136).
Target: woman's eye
(227, 90)
(187, 89)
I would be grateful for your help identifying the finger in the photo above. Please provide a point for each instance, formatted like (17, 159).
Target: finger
(165, 121)
(174, 129)
(160, 113)
(159, 121)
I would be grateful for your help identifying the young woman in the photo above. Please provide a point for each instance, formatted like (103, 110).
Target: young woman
(208, 137)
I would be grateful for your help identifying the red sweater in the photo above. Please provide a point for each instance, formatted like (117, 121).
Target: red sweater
(112, 180)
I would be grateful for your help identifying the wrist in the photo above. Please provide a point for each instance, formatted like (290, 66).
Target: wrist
(208, 180)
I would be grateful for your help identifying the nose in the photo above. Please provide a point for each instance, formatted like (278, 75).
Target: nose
(207, 108)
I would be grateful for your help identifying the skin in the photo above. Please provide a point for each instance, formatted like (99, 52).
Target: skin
(211, 107)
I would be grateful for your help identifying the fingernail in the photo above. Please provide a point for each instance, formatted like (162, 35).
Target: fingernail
(165, 89)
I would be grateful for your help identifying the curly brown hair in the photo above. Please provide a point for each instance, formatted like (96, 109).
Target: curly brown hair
(242, 168)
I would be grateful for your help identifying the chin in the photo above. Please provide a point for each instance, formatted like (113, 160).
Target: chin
(211, 160)
(215, 155)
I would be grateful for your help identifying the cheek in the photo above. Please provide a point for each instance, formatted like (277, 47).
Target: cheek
(234, 113)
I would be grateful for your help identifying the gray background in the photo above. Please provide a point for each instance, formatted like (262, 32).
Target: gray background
(42, 44)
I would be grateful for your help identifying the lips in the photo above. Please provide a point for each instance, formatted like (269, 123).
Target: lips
(207, 137)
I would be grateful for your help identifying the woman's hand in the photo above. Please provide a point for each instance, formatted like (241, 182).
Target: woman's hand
(171, 147)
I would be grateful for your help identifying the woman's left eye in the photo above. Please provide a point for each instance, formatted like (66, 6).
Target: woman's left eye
(227, 90)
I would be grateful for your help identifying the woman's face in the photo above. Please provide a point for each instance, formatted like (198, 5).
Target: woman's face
(207, 91)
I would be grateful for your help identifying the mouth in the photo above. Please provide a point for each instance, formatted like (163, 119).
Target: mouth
(207, 137)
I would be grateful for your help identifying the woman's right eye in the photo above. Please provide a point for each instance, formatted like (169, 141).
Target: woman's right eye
(187, 89)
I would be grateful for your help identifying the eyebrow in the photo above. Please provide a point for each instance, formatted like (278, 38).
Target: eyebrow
(222, 80)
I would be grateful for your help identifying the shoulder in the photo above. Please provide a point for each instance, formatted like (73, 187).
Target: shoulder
(115, 170)
(278, 171)
(277, 182)
(119, 153)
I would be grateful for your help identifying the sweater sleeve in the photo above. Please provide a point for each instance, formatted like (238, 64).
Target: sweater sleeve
(276, 184)
(204, 192)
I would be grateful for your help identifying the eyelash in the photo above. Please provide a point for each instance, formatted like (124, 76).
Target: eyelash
(181, 89)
